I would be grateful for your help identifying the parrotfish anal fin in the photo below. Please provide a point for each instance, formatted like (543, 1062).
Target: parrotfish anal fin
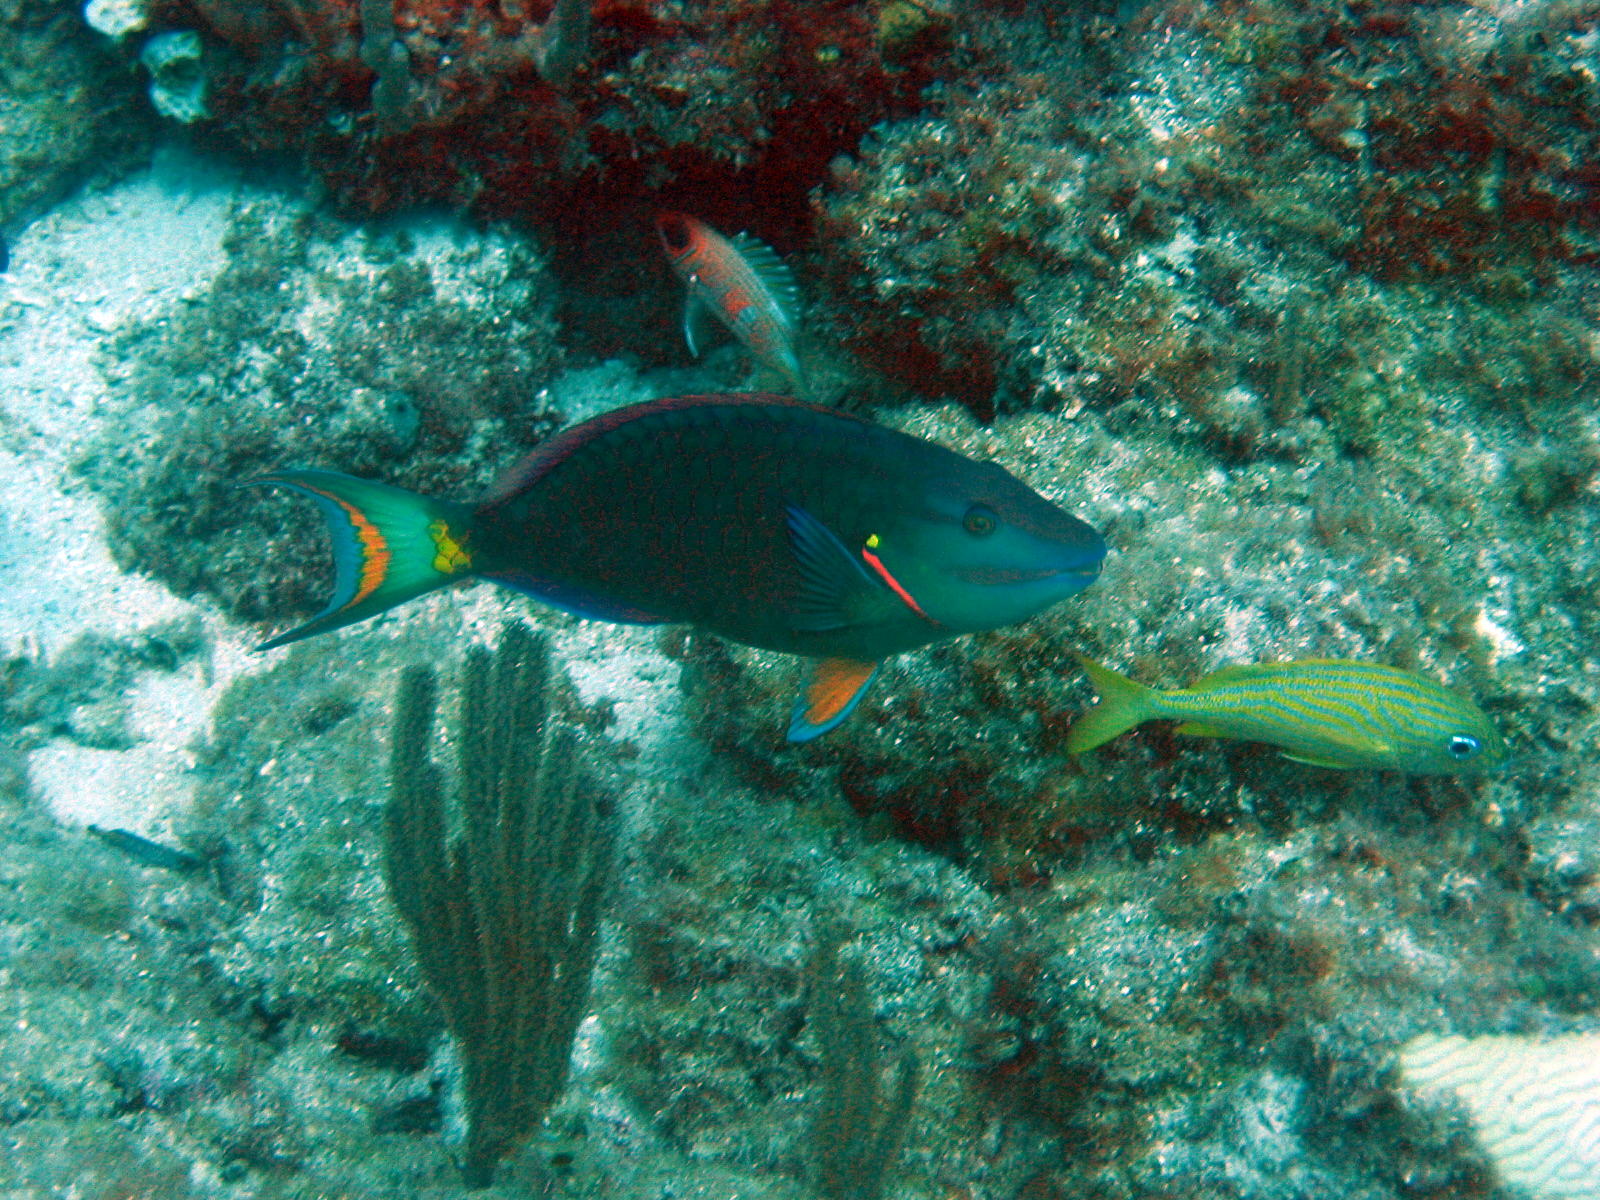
(774, 274)
(1197, 729)
(836, 589)
(572, 600)
(695, 313)
(830, 695)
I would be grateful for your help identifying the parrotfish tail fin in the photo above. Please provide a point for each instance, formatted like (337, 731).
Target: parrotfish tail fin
(830, 695)
(389, 545)
(1122, 705)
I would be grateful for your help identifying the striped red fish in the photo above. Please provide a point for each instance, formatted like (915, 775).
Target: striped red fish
(743, 283)
(1324, 711)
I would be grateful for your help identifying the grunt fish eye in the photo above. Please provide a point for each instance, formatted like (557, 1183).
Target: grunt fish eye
(1461, 746)
(979, 521)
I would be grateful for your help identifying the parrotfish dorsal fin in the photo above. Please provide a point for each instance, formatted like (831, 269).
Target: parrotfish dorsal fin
(830, 695)
(836, 590)
(774, 274)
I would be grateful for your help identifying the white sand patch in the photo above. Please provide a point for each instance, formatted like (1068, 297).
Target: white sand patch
(127, 253)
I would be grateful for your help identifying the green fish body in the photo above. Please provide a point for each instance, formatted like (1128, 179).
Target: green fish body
(1326, 712)
(768, 521)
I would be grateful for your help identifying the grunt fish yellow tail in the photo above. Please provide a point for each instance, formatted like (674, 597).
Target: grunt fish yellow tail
(1122, 705)
(389, 545)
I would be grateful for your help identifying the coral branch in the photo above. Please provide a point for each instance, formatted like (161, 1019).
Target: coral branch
(504, 915)
(863, 1104)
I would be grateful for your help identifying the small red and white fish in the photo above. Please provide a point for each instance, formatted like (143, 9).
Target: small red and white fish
(743, 283)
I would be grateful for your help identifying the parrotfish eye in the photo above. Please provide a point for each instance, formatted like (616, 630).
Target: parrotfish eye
(674, 232)
(979, 521)
(1463, 747)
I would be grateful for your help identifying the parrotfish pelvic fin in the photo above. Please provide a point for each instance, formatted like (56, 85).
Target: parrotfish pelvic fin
(389, 545)
(829, 696)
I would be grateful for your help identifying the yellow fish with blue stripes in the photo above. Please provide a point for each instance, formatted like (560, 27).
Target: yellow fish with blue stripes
(1328, 712)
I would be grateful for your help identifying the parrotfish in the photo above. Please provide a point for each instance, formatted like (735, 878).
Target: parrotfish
(775, 523)
(1324, 711)
(743, 283)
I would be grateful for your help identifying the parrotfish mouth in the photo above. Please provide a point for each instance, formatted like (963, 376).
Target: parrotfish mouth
(1004, 576)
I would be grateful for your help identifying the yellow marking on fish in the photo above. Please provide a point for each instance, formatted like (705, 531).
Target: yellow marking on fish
(450, 555)
(872, 542)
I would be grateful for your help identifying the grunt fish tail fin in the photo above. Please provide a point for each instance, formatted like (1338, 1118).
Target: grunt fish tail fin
(389, 545)
(1122, 705)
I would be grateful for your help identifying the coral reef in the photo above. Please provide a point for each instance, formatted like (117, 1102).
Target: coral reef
(505, 914)
(71, 113)
(1167, 213)
(513, 106)
(1294, 302)
(414, 354)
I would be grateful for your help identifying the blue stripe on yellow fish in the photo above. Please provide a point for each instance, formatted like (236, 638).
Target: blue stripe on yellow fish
(1326, 712)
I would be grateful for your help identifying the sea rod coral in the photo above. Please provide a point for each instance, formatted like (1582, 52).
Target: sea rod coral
(504, 914)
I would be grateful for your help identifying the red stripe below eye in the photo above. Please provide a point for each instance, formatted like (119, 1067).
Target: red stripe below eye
(876, 564)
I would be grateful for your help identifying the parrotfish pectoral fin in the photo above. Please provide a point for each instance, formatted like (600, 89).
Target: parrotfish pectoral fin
(836, 589)
(830, 695)
(1123, 704)
(389, 545)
